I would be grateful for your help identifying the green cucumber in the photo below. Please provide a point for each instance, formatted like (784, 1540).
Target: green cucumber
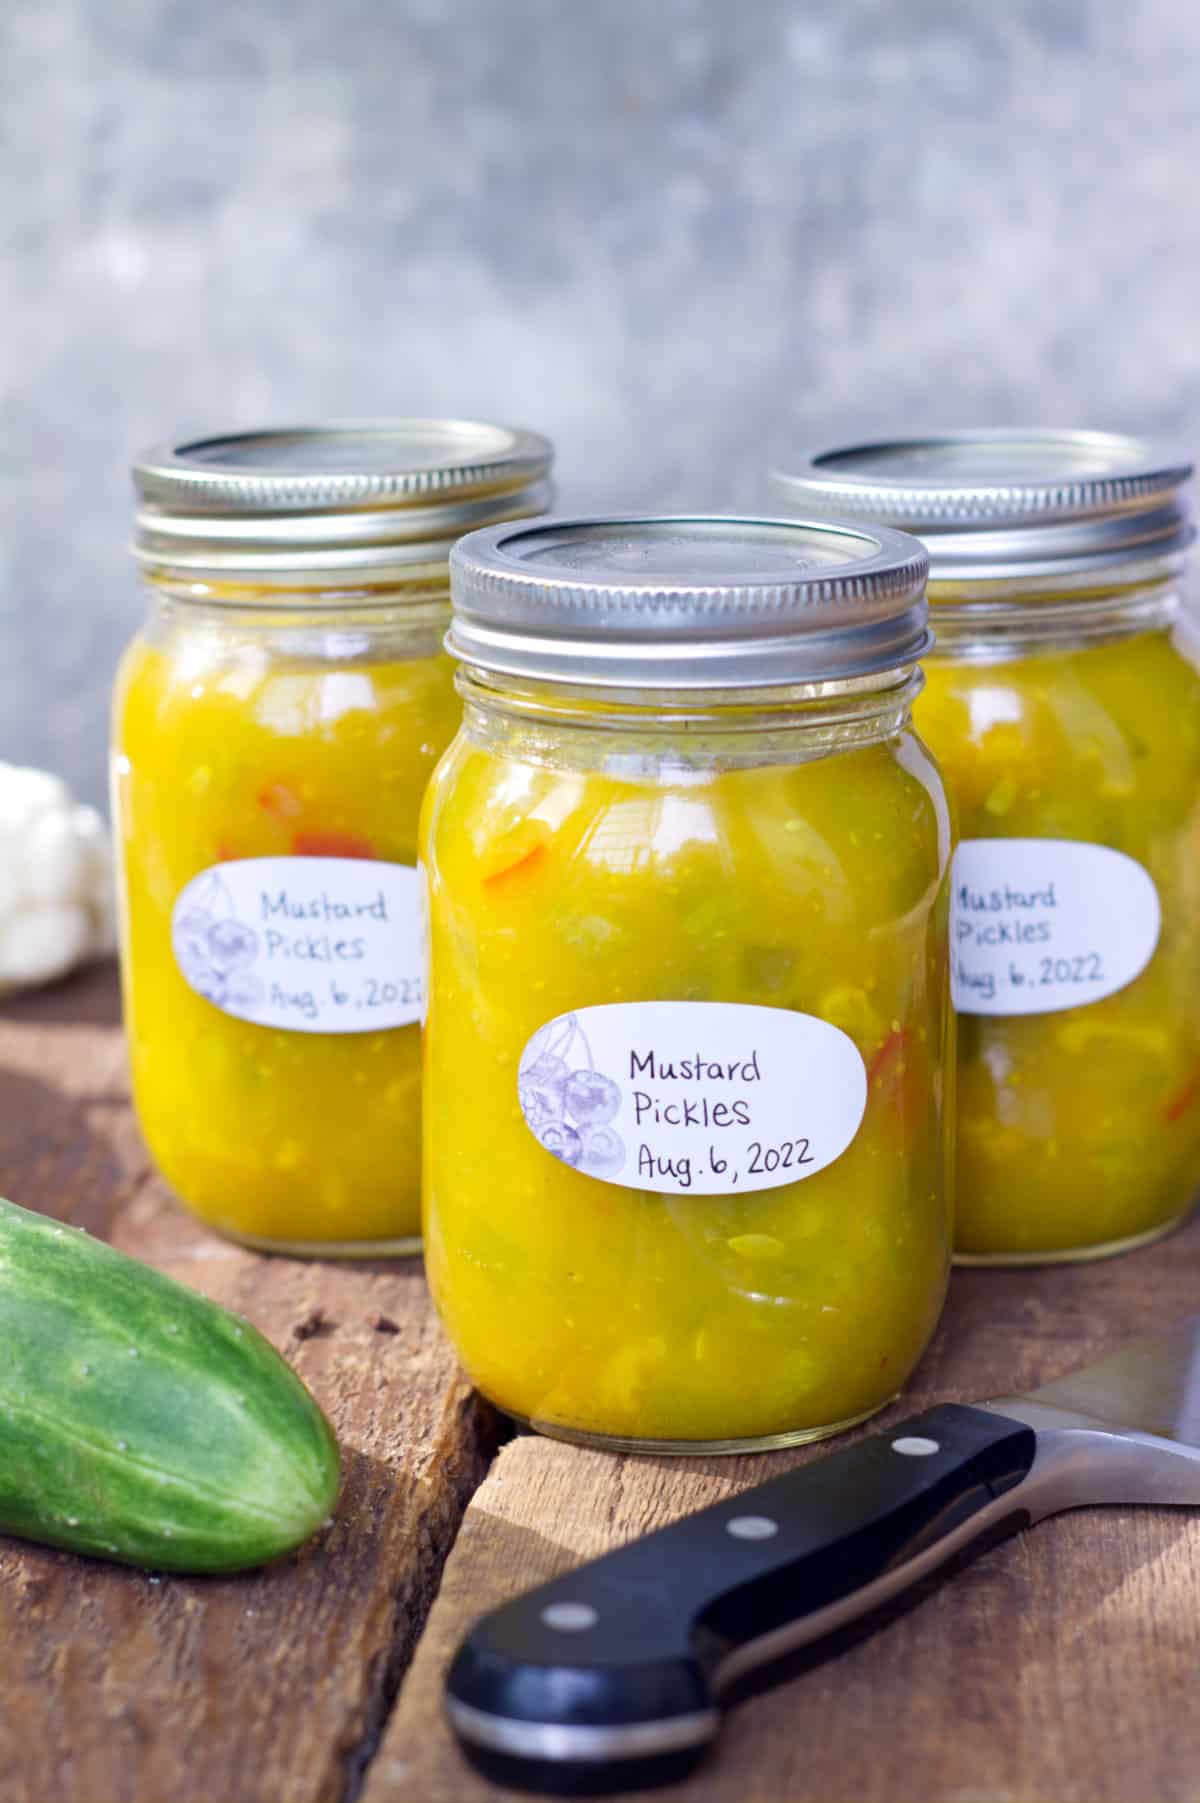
(139, 1421)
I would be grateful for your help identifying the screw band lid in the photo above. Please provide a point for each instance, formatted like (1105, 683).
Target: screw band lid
(687, 601)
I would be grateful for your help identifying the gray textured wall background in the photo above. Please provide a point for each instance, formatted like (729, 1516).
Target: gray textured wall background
(659, 229)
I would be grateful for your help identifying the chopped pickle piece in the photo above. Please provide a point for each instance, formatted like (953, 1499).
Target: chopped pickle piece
(757, 1245)
(514, 853)
(1002, 795)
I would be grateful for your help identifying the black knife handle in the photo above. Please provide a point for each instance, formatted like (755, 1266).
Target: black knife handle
(618, 1664)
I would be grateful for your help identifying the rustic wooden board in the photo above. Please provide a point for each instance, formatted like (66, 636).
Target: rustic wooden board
(123, 1688)
(1058, 1668)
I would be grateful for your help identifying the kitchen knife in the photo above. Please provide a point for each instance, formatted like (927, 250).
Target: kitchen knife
(611, 1675)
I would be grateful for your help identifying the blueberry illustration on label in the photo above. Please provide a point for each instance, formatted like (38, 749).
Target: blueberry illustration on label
(231, 944)
(193, 953)
(215, 950)
(558, 1079)
(603, 1152)
(591, 1099)
(206, 981)
(243, 991)
(541, 1088)
(191, 939)
(562, 1140)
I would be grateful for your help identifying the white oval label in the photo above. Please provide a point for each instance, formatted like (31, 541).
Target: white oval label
(1043, 924)
(316, 945)
(692, 1097)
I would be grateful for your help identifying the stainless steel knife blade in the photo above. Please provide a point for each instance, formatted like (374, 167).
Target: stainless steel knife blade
(1151, 1386)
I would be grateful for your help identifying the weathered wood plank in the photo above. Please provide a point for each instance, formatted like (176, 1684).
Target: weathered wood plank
(1056, 1669)
(124, 1688)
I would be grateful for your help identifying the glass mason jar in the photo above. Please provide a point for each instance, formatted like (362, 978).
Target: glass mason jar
(275, 723)
(686, 1049)
(1063, 703)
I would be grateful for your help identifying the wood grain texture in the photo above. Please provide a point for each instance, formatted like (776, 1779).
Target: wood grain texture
(119, 1687)
(1058, 1668)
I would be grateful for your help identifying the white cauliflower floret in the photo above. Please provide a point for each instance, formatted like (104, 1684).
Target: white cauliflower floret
(56, 881)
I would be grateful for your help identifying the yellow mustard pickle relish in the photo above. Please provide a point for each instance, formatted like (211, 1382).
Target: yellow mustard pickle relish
(687, 1040)
(1063, 704)
(275, 724)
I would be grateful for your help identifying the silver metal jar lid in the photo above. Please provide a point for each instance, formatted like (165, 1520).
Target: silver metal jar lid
(687, 601)
(366, 500)
(1006, 504)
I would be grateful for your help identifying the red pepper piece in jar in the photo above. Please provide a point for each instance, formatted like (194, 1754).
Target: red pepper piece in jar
(279, 800)
(332, 845)
(1184, 1099)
